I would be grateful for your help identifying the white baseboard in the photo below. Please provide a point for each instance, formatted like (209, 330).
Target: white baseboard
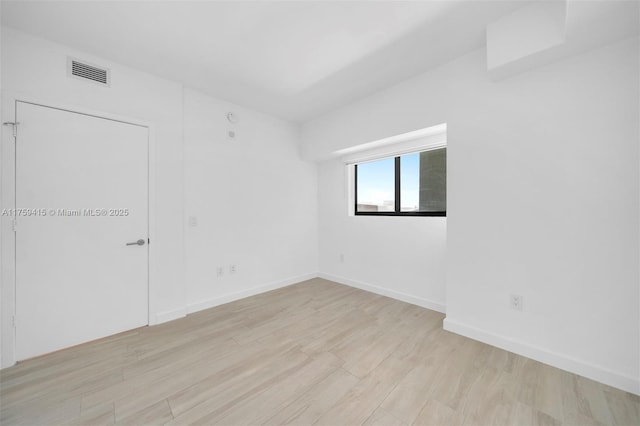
(230, 297)
(582, 368)
(404, 297)
(166, 316)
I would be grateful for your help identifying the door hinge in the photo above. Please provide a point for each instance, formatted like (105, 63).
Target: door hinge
(14, 125)
(13, 321)
(14, 225)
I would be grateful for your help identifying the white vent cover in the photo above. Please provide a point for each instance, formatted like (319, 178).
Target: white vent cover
(88, 72)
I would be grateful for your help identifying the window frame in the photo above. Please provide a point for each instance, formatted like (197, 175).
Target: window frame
(397, 202)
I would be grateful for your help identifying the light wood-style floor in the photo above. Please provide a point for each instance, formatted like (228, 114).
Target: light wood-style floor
(313, 353)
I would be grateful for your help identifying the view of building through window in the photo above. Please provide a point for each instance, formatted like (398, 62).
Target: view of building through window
(422, 184)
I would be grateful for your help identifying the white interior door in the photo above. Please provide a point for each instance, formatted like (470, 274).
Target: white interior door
(87, 178)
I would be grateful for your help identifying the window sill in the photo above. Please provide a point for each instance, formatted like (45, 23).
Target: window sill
(406, 214)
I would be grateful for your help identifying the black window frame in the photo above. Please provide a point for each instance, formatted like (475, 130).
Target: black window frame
(397, 209)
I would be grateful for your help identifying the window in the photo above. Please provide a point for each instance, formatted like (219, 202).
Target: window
(407, 185)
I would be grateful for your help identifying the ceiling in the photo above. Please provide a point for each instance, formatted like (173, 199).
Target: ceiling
(293, 59)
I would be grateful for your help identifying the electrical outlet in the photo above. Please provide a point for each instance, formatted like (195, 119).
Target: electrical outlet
(515, 301)
(193, 221)
(232, 269)
(341, 258)
(220, 271)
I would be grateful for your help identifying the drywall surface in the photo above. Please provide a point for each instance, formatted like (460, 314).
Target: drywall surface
(531, 29)
(2, 138)
(400, 257)
(251, 202)
(36, 69)
(542, 201)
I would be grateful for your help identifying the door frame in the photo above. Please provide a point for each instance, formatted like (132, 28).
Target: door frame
(7, 201)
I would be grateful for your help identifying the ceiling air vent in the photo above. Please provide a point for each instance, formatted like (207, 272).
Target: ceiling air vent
(88, 72)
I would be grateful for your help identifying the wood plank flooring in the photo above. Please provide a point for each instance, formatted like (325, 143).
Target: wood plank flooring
(313, 353)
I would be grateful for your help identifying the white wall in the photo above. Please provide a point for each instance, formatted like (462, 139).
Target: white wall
(2, 138)
(543, 195)
(254, 198)
(400, 257)
(33, 68)
(255, 202)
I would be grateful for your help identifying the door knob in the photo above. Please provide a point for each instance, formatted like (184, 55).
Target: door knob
(140, 242)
